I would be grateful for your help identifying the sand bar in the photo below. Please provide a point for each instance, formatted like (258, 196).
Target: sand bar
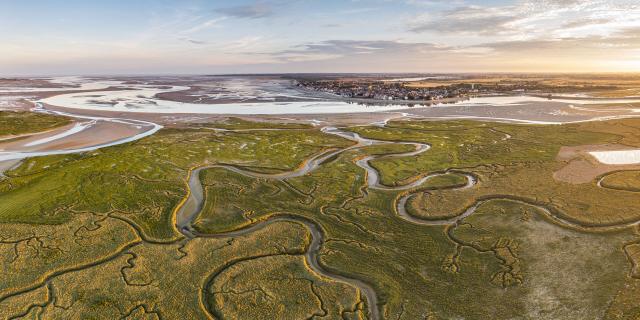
(618, 156)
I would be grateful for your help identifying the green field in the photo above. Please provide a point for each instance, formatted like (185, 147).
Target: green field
(92, 236)
(13, 123)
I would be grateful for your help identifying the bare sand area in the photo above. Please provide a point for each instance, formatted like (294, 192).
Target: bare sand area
(24, 100)
(7, 165)
(6, 139)
(582, 167)
(618, 157)
(97, 133)
(15, 102)
(181, 119)
(541, 112)
(198, 94)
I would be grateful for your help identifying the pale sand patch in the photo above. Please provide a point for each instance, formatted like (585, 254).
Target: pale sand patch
(7, 165)
(582, 167)
(7, 141)
(617, 157)
(182, 119)
(99, 133)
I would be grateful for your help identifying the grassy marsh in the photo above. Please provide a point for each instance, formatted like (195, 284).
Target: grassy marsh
(92, 236)
(13, 123)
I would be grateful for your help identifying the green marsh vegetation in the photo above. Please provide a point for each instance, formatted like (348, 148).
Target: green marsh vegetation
(14, 123)
(622, 180)
(92, 236)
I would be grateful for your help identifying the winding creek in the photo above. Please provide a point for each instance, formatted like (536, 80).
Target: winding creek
(194, 202)
(311, 256)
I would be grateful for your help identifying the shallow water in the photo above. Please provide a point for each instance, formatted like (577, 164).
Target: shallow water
(142, 98)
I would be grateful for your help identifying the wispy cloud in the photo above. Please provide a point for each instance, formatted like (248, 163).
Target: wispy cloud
(204, 25)
(252, 11)
(359, 10)
(333, 25)
(617, 43)
(249, 42)
(331, 49)
(532, 19)
(192, 41)
(471, 19)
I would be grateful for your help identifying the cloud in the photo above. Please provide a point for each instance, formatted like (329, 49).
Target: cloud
(204, 25)
(615, 46)
(585, 22)
(403, 35)
(333, 25)
(472, 19)
(244, 43)
(192, 41)
(531, 19)
(252, 11)
(358, 10)
(332, 49)
(560, 54)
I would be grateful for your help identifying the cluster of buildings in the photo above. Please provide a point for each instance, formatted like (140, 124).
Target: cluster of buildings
(381, 90)
(377, 90)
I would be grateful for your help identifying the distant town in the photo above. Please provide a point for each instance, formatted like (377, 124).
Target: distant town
(413, 91)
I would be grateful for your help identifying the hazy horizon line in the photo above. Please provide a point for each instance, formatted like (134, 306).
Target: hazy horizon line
(160, 74)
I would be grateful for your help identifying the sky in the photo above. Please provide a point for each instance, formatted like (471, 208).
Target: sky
(80, 37)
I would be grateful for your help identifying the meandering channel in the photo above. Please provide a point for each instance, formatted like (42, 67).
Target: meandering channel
(311, 256)
(194, 202)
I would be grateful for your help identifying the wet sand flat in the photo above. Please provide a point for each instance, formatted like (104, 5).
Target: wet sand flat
(98, 133)
(32, 136)
(582, 167)
(617, 157)
(185, 118)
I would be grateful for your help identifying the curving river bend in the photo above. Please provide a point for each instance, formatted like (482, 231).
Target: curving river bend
(194, 202)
